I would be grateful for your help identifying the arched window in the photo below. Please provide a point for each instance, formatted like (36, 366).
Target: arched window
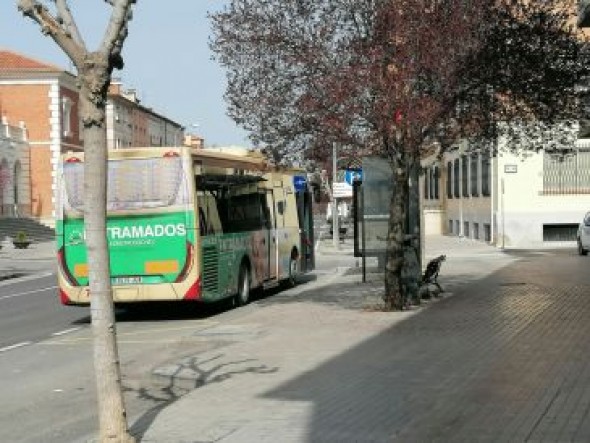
(18, 170)
(67, 116)
(5, 185)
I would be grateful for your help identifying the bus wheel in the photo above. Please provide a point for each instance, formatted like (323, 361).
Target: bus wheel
(243, 295)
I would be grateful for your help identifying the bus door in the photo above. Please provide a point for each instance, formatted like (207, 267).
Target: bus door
(305, 216)
(271, 235)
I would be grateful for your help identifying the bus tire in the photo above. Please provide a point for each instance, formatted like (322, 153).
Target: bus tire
(293, 270)
(243, 296)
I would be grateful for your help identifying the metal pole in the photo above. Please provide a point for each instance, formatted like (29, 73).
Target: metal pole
(364, 238)
(335, 224)
(502, 204)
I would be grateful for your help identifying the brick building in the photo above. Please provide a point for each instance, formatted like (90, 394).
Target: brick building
(15, 192)
(129, 123)
(45, 98)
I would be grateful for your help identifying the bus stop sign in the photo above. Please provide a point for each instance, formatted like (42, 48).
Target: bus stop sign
(353, 174)
(299, 182)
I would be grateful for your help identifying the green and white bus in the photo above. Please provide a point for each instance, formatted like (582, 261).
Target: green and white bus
(187, 225)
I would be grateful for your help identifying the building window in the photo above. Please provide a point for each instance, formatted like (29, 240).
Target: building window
(67, 116)
(450, 226)
(436, 181)
(559, 232)
(568, 174)
(449, 180)
(485, 176)
(476, 231)
(465, 176)
(466, 229)
(474, 175)
(487, 232)
(456, 168)
(427, 184)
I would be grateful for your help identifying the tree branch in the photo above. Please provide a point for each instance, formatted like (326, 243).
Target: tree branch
(116, 32)
(51, 26)
(65, 15)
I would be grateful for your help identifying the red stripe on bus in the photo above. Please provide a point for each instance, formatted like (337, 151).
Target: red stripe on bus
(194, 292)
(63, 297)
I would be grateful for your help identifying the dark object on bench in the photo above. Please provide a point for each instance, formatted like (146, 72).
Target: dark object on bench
(432, 269)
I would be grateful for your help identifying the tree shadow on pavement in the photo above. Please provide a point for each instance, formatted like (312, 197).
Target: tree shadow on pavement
(501, 360)
(181, 378)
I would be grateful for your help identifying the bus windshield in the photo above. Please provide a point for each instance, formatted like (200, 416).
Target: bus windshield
(132, 183)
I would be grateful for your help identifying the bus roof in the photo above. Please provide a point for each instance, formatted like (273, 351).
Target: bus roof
(228, 158)
(250, 160)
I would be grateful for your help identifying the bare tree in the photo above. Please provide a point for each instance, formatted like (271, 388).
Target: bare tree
(94, 70)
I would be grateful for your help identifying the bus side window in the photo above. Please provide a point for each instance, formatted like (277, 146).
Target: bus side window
(266, 219)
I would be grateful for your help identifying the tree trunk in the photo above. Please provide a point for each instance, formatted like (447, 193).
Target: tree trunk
(412, 256)
(394, 297)
(111, 407)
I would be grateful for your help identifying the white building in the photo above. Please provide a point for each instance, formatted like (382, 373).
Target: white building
(15, 191)
(506, 200)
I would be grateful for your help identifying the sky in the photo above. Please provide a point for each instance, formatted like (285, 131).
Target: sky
(167, 58)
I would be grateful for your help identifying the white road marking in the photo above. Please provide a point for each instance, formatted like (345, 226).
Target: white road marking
(12, 281)
(65, 331)
(20, 294)
(18, 345)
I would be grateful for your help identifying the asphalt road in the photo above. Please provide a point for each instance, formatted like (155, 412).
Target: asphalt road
(47, 386)
(30, 311)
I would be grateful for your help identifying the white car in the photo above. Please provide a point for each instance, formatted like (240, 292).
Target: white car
(583, 236)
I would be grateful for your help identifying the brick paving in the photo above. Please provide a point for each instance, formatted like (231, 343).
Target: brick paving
(503, 357)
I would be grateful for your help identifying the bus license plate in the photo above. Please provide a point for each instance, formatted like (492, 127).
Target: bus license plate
(126, 280)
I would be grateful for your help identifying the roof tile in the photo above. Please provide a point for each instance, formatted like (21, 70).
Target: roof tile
(12, 61)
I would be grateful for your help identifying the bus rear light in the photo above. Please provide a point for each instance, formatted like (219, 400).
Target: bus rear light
(61, 259)
(194, 292)
(171, 154)
(73, 160)
(188, 264)
(81, 270)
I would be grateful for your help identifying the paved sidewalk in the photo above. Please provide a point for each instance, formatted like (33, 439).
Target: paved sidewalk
(320, 364)
(38, 257)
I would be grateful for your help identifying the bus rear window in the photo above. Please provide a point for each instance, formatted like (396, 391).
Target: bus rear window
(132, 184)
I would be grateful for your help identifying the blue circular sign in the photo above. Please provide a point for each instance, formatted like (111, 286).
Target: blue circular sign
(300, 183)
(353, 174)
